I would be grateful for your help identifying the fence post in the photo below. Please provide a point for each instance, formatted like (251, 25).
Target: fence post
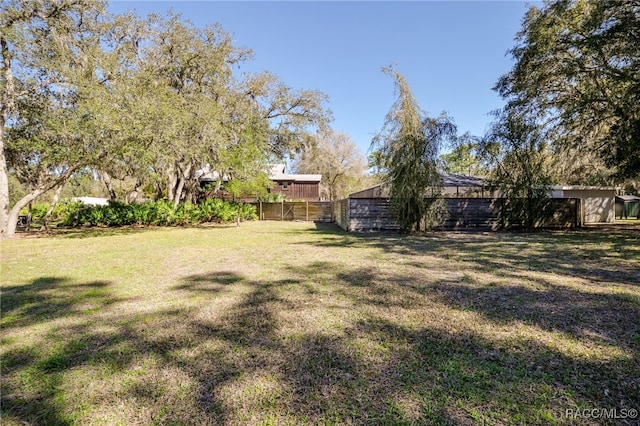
(581, 212)
(307, 206)
(281, 210)
(260, 210)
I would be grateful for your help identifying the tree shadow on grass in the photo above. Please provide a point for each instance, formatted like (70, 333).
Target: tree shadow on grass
(593, 256)
(465, 378)
(211, 283)
(48, 298)
(608, 319)
(240, 364)
(599, 320)
(599, 317)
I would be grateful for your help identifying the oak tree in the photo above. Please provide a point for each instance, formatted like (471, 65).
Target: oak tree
(577, 72)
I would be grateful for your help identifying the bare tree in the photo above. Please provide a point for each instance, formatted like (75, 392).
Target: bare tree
(336, 157)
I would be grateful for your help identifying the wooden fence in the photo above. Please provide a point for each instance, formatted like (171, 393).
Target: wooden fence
(316, 211)
(372, 214)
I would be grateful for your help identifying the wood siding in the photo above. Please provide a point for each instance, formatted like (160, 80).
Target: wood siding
(372, 214)
(306, 191)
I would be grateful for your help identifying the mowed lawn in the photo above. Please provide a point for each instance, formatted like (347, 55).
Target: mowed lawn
(277, 323)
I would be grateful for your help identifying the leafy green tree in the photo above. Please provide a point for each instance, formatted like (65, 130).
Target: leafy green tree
(577, 70)
(464, 158)
(245, 164)
(377, 166)
(410, 142)
(190, 107)
(45, 47)
(336, 157)
(143, 101)
(521, 167)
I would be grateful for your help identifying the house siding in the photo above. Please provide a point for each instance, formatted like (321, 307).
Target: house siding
(305, 191)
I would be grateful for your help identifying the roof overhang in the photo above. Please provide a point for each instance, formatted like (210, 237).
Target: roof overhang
(295, 177)
(582, 188)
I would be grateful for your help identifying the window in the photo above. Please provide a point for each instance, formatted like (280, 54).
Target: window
(285, 185)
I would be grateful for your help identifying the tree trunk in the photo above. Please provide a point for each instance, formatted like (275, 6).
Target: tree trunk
(172, 183)
(107, 182)
(4, 183)
(159, 192)
(6, 106)
(181, 183)
(191, 187)
(29, 217)
(176, 197)
(54, 202)
(133, 195)
(12, 219)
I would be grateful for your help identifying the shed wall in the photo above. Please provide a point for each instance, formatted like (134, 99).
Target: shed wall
(598, 206)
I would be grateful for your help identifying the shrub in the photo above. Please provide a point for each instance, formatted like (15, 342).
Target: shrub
(160, 213)
(62, 210)
(248, 212)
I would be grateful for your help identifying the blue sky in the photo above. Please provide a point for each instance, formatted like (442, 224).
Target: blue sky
(451, 53)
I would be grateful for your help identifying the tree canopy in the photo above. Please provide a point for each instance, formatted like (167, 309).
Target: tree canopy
(336, 157)
(521, 166)
(577, 73)
(464, 158)
(147, 100)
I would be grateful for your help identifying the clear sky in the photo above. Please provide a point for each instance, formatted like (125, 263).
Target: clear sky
(451, 53)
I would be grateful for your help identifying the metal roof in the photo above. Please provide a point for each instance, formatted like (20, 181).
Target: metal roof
(451, 179)
(628, 197)
(295, 177)
(582, 188)
(276, 172)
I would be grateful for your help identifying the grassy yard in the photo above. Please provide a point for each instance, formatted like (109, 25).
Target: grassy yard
(294, 323)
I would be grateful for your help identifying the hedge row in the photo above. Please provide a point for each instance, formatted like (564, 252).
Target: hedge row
(160, 213)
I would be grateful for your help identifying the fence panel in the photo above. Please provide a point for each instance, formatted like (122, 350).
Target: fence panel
(316, 211)
(372, 214)
(340, 210)
(476, 213)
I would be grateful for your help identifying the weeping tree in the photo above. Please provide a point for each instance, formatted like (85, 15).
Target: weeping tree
(410, 142)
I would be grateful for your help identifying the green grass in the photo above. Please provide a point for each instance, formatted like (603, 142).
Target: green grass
(280, 323)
